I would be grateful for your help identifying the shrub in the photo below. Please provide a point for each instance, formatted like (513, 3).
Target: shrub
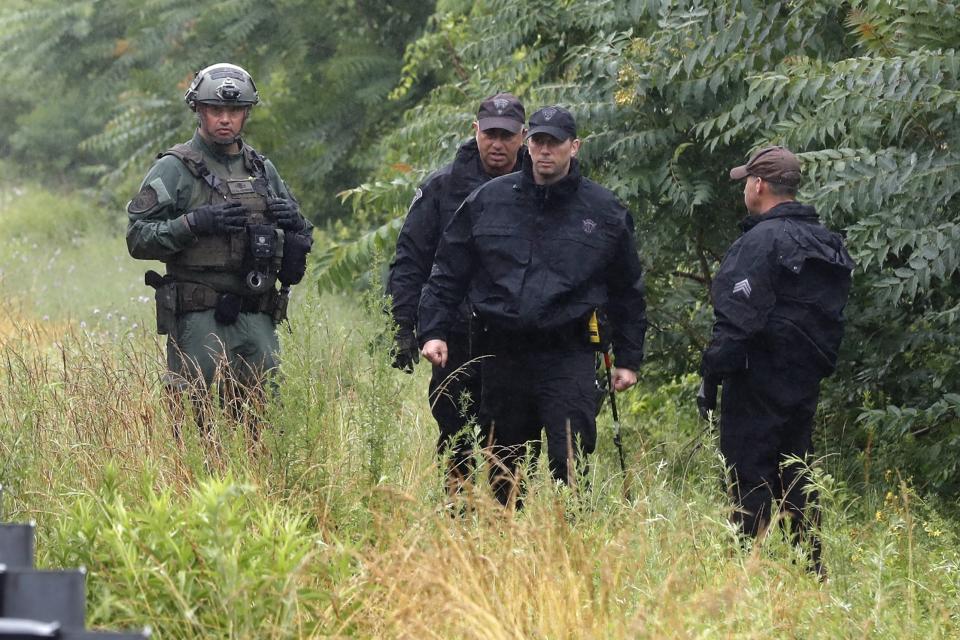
(221, 562)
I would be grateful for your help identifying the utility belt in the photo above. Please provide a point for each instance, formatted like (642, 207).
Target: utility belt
(571, 336)
(176, 298)
(198, 297)
(587, 333)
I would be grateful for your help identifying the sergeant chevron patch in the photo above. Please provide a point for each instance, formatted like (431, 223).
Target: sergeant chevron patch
(743, 287)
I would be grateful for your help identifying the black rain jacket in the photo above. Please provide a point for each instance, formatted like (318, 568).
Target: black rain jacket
(435, 202)
(534, 258)
(781, 288)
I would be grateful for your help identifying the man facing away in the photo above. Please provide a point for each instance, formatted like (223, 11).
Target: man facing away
(454, 391)
(778, 301)
(219, 216)
(536, 253)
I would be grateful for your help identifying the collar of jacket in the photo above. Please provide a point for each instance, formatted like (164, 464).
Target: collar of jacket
(252, 161)
(467, 163)
(791, 209)
(214, 152)
(560, 190)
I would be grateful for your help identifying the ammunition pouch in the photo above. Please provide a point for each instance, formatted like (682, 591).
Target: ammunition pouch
(213, 253)
(228, 308)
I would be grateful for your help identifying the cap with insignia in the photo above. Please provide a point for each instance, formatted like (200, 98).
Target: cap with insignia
(501, 111)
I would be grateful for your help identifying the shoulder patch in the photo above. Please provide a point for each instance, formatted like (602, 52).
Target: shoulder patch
(144, 201)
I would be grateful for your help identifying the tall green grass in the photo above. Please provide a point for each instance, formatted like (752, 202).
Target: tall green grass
(337, 525)
(64, 257)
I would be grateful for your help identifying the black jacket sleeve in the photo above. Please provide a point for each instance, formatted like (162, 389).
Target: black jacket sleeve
(452, 268)
(627, 307)
(743, 295)
(416, 247)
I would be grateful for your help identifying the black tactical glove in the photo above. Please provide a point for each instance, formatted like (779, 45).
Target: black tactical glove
(286, 213)
(218, 219)
(406, 351)
(707, 397)
(293, 265)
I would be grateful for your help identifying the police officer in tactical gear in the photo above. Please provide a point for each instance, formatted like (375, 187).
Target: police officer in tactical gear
(496, 149)
(778, 302)
(229, 231)
(535, 253)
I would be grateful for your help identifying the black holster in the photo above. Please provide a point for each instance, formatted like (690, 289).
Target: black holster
(165, 295)
(280, 301)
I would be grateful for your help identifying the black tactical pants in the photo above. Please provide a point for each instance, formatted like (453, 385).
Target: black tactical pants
(525, 392)
(454, 398)
(766, 417)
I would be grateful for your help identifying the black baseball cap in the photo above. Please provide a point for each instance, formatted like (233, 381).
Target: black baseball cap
(774, 164)
(501, 111)
(555, 121)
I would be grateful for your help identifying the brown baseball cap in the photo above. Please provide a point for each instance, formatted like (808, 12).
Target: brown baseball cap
(501, 111)
(774, 164)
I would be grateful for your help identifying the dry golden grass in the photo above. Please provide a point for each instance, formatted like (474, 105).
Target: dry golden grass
(561, 570)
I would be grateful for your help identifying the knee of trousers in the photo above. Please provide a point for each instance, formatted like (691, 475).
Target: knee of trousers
(187, 371)
(449, 412)
(176, 384)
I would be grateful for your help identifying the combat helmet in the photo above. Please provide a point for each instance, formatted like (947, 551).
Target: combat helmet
(222, 84)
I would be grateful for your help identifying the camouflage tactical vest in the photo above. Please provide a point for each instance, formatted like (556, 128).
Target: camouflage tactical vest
(239, 252)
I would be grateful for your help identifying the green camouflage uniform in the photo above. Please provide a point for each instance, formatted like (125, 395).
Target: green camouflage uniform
(158, 230)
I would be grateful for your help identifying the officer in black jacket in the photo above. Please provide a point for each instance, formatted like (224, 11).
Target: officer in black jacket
(496, 149)
(778, 302)
(535, 253)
